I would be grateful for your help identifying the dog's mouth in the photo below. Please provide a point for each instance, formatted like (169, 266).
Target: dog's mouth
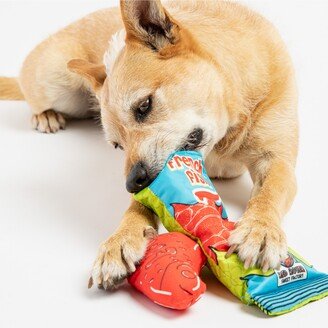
(142, 174)
(194, 140)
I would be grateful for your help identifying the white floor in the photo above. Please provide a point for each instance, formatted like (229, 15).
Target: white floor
(61, 195)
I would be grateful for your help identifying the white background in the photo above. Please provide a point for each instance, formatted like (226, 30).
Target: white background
(61, 195)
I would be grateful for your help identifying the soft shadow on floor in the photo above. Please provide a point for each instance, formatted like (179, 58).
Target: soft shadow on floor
(220, 291)
(151, 306)
(215, 287)
(140, 300)
(254, 311)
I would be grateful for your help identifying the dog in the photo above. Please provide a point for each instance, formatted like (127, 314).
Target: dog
(211, 76)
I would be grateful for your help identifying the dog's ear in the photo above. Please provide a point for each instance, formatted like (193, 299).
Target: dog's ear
(148, 21)
(93, 73)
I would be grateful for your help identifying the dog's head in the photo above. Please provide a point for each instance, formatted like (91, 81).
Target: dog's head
(159, 91)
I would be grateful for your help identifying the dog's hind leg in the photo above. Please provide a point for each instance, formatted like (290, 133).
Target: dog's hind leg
(52, 91)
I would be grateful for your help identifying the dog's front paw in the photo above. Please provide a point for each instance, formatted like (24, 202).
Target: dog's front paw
(118, 256)
(258, 242)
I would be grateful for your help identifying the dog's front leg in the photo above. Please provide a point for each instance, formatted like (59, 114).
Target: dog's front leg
(258, 237)
(119, 254)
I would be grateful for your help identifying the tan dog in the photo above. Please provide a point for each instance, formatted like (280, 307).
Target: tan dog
(207, 75)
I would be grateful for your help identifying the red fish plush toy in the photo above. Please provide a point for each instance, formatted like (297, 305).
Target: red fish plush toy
(169, 273)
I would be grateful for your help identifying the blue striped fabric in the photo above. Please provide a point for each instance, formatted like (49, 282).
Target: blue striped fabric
(284, 300)
(298, 300)
(265, 299)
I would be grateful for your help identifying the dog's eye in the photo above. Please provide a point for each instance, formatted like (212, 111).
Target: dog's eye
(117, 145)
(143, 109)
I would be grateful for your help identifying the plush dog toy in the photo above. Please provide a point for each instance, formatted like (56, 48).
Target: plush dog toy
(169, 273)
(185, 200)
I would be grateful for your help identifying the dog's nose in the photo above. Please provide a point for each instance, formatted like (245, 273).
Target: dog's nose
(138, 178)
